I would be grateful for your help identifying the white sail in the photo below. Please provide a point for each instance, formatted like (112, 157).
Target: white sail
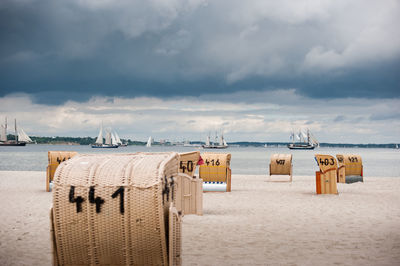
(298, 136)
(149, 142)
(291, 136)
(3, 133)
(313, 139)
(221, 140)
(304, 135)
(99, 139)
(22, 136)
(108, 138)
(113, 139)
(118, 140)
(225, 144)
(3, 136)
(208, 141)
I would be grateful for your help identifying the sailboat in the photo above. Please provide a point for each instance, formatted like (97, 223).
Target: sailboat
(305, 141)
(149, 142)
(217, 144)
(110, 140)
(21, 138)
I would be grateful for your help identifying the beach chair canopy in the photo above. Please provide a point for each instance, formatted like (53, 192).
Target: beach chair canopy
(215, 167)
(326, 162)
(115, 209)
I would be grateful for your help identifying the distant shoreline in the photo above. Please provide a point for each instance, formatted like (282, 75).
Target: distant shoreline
(89, 140)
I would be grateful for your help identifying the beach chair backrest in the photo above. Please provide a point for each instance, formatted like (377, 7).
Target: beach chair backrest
(326, 162)
(188, 162)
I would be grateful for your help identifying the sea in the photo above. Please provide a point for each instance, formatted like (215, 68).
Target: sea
(377, 162)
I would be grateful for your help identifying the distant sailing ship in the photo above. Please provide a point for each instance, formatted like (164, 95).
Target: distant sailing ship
(306, 141)
(111, 141)
(21, 138)
(217, 144)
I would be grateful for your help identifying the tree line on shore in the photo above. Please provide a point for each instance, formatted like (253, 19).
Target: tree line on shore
(90, 140)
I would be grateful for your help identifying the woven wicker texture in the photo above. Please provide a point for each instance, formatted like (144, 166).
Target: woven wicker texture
(215, 167)
(112, 209)
(281, 164)
(55, 158)
(188, 162)
(175, 233)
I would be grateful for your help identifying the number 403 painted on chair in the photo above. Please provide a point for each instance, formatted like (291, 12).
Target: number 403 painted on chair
(98, 201)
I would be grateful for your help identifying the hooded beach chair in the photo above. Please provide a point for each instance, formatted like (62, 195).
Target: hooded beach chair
(55, 158)
(280, 168)
(116, 209)
(350, 168)
(326, 180)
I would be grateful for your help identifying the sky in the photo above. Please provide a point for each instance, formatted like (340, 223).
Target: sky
(180, 69)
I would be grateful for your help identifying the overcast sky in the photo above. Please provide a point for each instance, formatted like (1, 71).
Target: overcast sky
(180, 69)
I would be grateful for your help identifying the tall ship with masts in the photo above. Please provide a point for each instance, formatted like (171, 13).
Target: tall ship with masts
(305, 141)
(110, 141)
(219, 143)
(20, 137)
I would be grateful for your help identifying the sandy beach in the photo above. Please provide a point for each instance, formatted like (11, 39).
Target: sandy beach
(258, 223)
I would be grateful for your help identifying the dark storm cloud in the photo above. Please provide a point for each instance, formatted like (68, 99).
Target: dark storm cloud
(60, 50)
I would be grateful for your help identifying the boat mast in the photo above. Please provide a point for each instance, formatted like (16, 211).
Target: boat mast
(15, 127)
(208, 140)
(292, 136)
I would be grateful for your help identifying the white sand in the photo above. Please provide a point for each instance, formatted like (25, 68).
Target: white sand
(257, 223)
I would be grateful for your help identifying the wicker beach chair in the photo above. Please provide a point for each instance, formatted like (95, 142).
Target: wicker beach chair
(350, 168)
(216, 172)
(55, 159)
(116, 209)
(326, 179)
(280, 166)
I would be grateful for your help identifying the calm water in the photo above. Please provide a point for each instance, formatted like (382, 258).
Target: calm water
(246, 160)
